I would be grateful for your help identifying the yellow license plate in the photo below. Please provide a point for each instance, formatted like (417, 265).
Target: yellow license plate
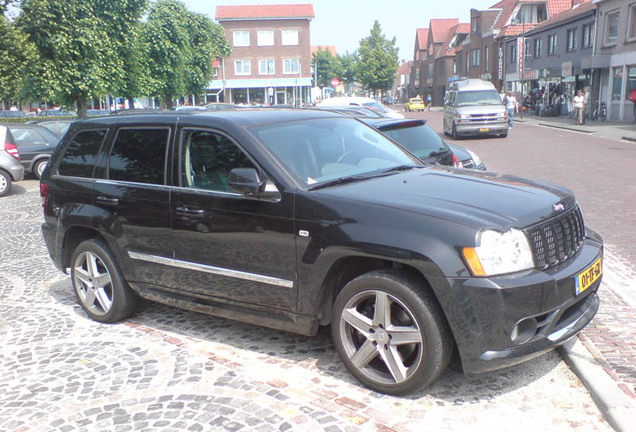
(484, 129)
(588, 276)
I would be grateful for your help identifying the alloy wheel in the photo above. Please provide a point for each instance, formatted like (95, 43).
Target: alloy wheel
(93, 283)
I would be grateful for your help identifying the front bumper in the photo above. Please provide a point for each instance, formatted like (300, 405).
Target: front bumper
(468, 127)
(486, 310)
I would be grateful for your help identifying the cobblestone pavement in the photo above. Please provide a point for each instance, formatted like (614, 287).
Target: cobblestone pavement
(173, 370)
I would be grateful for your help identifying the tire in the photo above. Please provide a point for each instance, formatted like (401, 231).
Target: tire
(454, 133)
(98, 283)
(367, 339)
(39, 167)
(5, 183)
(503, 135)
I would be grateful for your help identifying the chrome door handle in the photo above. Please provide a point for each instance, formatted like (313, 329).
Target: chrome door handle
(107, 201)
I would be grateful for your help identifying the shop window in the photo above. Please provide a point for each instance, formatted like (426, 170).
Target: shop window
(617, 83)
(241, 38)
(588, 35)
(265, 37)
(571, 39)
(631, 81)
(611, 28)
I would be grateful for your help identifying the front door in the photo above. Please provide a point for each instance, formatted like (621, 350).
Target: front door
(229, 246)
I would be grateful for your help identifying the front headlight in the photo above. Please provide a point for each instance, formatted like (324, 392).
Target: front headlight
(474, 157)
(499, 253)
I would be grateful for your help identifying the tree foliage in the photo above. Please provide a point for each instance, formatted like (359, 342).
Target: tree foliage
(79, 48)
(18, 56)
(180, 49)
(378, 60)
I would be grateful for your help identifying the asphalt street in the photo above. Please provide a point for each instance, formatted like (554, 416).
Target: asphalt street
(169, 369)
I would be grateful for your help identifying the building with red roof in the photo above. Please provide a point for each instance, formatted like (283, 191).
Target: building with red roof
(270, 62)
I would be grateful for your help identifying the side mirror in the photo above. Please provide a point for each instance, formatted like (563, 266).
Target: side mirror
(246, 181)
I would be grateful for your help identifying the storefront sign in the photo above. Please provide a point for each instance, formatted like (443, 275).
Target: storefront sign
(520, 55)
(566, 68)
(530, 75)
(500, 64)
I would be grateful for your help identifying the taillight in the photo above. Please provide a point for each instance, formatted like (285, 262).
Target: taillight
(44, 194)
(12, 150)
(455, 160)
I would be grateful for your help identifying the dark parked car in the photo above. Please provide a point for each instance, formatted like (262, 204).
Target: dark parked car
(295, 219)
(466, 158)
(57, 126)
(56, 113)
(10, 168)
(36, 143)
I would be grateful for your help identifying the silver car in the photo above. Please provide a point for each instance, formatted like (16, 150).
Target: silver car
(473, 107)
(10, 168)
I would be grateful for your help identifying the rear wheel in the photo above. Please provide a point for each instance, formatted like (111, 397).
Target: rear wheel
(5, 183)
(389, 333)
(99, 285)
(39, 167)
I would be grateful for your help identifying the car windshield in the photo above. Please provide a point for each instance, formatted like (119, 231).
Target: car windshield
(319, 151)
(416, 101)
(376, 106)
(478, 97)
(417, 138)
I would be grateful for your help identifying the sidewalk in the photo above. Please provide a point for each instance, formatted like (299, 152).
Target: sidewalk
(613, 130)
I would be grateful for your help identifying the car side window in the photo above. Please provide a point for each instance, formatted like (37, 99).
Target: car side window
(27, 137)
(207, 159)
(80, 155)
(139, 155)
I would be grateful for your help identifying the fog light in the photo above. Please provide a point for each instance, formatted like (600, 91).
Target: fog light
(523, 331)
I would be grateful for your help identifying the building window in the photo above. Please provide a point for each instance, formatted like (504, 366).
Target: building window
(571, 39)
(475, 57)
(588, 36)
(475, 26)
(289, 37)
(631, 81)
(552, 43)
(512, 51)
(242, 67)
(631, 25)
(617, 83)
(486, 58)
(291, 66)
(215, 71)
(265, 38)
(266, 67)
(241, 38)
(454, 66)
(537, 47)
(611, 28)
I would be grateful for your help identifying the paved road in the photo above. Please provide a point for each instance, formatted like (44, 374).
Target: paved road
(173, 370)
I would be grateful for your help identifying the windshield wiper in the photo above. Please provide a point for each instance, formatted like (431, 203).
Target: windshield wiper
(399, 168)
(338, 181)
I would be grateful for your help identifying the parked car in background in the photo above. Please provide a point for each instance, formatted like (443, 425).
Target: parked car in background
(97, 112)
(415, 104)
(11, 170)
(388, 100)
(296, 219)
(11, 114)
(58, 112)
(214, 106)
(35, 144)
(361, 101)
(473, 107)
(57, 126)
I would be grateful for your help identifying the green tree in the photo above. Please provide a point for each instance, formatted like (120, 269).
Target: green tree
(346, 69)
(378, 61)
(79, 54)
(181, 47)
(325, 65)
(18, 56)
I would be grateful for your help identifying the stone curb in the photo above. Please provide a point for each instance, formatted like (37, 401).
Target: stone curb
(617, 408)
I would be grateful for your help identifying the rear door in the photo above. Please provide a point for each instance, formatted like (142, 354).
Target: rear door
(229, 246)
(32, 142)
(132, 191)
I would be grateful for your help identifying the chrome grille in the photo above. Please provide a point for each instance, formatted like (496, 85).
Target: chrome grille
(557, 239)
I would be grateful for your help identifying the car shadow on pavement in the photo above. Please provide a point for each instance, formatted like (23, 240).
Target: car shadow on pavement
(285, 351)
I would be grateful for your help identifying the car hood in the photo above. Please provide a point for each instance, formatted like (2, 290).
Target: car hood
(474, 198)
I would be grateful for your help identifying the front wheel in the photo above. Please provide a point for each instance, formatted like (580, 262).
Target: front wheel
(389, 333)
(99, 285)
(39, 168)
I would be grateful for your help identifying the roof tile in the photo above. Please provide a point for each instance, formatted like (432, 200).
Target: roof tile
(265, 11)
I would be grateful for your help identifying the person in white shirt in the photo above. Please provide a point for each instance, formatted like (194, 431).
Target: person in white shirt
(579, 107)
(511, 105)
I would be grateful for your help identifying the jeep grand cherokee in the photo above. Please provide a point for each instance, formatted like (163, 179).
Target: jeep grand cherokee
(295, 219)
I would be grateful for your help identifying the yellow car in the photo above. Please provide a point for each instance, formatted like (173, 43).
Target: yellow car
(415, 104)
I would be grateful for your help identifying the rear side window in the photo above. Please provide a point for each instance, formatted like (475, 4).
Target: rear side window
(28, 137)
(139, 155)
(80, 155)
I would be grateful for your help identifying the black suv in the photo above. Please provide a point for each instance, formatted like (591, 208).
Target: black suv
(294, 219)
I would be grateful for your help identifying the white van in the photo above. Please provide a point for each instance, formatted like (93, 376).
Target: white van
(473, 107)
(360, 101)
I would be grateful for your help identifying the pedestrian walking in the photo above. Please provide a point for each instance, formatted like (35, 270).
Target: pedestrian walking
(586, 104)
(511, 105)
(579, 107)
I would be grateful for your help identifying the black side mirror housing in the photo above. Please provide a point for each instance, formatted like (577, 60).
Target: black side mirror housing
(246, 181)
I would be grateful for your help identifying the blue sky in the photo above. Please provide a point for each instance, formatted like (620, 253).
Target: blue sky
(344, 22)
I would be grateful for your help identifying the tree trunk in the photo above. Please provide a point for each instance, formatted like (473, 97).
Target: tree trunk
(131, 102)
(168, 101)
(81, 107)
